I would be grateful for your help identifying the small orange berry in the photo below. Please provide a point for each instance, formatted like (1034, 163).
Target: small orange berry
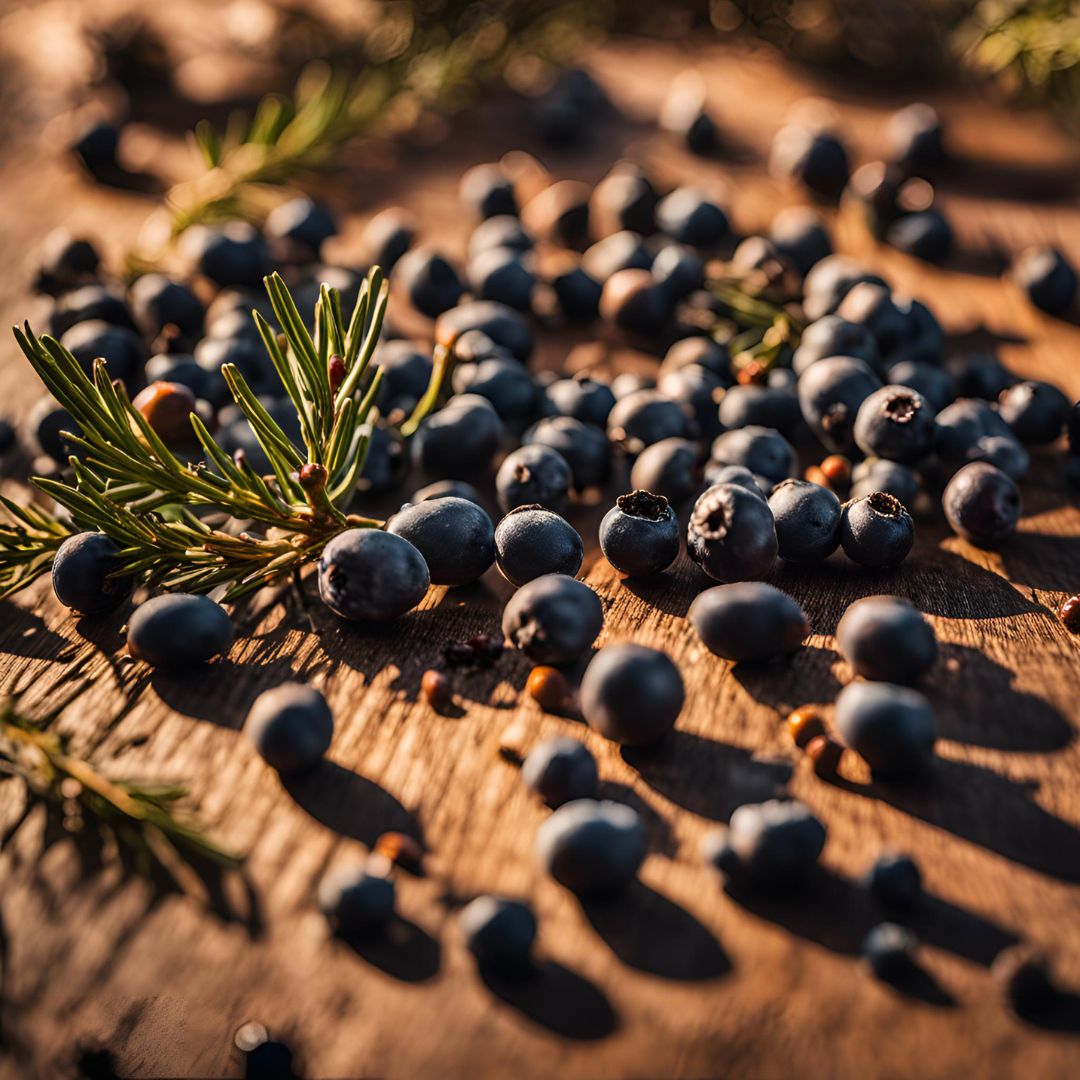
(400, 849)
(435, 687)
(825, 753)
(549, 688)
(804, 724)
(837, 470)
(751, 374)
(166, 407)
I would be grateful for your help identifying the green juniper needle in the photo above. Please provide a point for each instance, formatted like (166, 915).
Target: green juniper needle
(130, 486)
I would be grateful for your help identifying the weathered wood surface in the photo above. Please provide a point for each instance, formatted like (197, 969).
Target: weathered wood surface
(678, 978)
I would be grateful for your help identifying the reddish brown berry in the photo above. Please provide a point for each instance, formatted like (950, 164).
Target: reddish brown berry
(435, 687)
(804, 724)
(335, 370)
(837, 470)
(549, 688)
(402, 850)
(1070, 614)
(167, 407)
(751, 374)
(825, 753)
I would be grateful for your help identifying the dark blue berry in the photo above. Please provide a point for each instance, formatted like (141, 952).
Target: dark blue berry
(560, 770)
(582, 397)
(897, 423)
(889, 951)
(231, 254)
(982, 504)
(895, 881)
(96, 149)
(553, 619)
(698, 352)
(503, 325)
(687, 216)
(927, 235)
(959, 427)
(304, 225)
(446, 489)
(178, 630)
(584, 446)
(1048, 279)
(873, 306)
(645, 417)
(915, 138)
(429, 280)
(459, 440)
(406, 373)
(670, 468)
(632, 694)
(356, 902)
(979, 375)
(748, 621)
(799, 233)
(624, 199)
(500, 933)
(891, 727)
(159, 302)
(933, 382)
(762, 450)
(503, 275)
(593, 847)
(1036, 411)
(876, 530)
(634, 300)
(679, 269)
(291, 727)
(249, 357)
(578, 294)
(488, 191)
(455, 537)
(620, 251)
(123, 349)
(371, 576)
(737, 474)
(81, 574)
(697, 390)
(387, 236)
(47, 423)
(807, 518)
(503, 231)
(506, 383)
(817, 159)
(831, 393)
(531, 542)
(731, 534)
(832, 336)
(639, 535)
(533, 475)
(830, 281)
(770, 846)
(886, 639)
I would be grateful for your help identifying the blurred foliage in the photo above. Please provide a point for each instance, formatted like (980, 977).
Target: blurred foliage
(1032, 47)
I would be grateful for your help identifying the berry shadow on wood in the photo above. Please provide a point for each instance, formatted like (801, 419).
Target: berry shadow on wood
(784, 684)
(649, 932)
(350, 804)
(707, 777)
(1004, 719)
(985, 808)
(558, 999)
(402, 950)
(838, 913)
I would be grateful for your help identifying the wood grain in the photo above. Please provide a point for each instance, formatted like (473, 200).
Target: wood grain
(678, 978)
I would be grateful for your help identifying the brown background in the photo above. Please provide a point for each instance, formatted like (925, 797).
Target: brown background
(678, 978)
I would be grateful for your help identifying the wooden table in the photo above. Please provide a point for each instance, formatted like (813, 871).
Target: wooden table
(678, 978)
